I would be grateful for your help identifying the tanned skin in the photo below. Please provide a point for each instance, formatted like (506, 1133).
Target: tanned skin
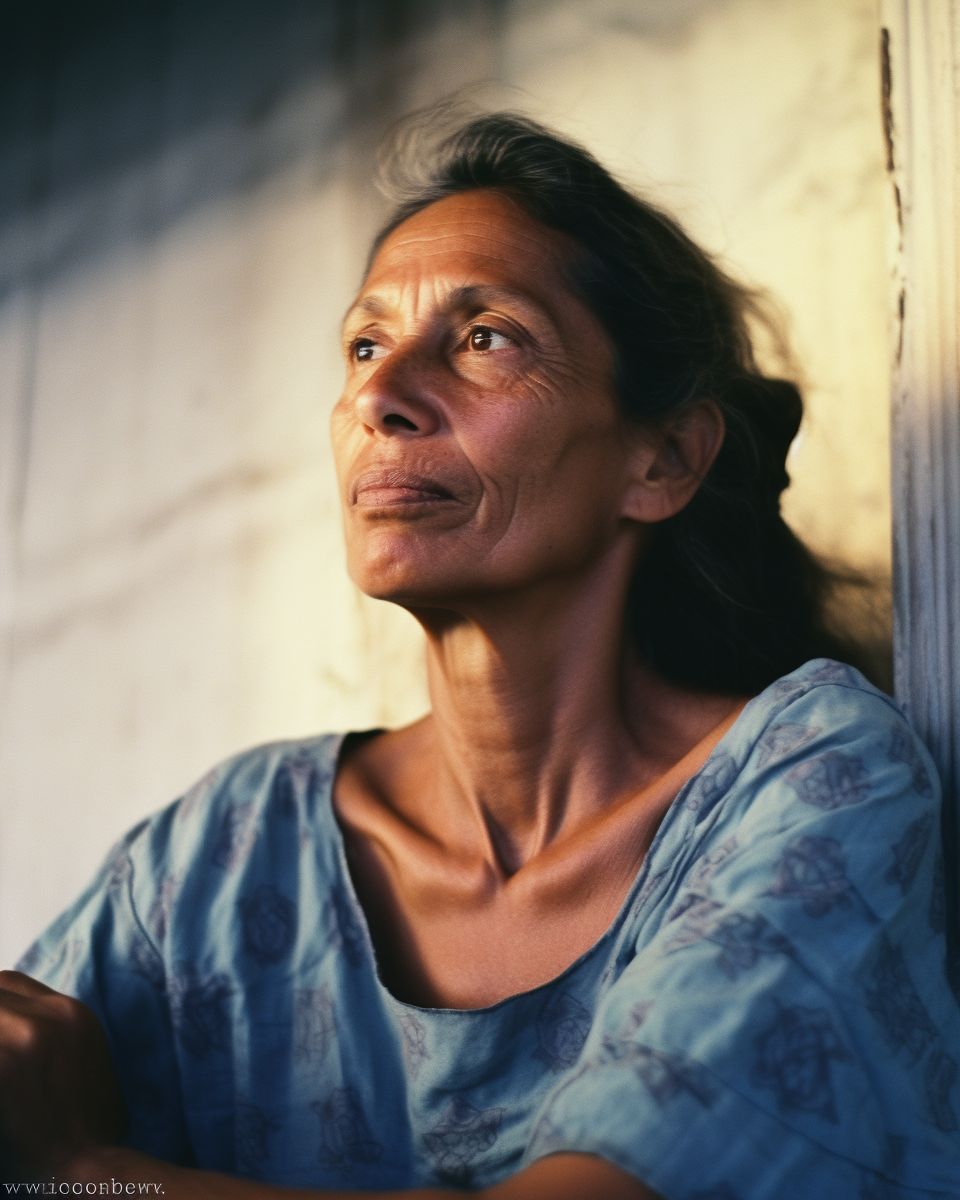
(491, 486)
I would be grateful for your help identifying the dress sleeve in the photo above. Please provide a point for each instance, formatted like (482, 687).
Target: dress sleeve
(100, 951)
(787, 1031)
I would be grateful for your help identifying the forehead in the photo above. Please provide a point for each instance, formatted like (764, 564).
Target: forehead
(485, 235)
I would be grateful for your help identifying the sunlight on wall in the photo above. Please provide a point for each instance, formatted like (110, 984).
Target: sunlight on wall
(174, 584)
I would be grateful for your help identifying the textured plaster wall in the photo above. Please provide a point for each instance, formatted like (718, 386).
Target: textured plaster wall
(185, 207)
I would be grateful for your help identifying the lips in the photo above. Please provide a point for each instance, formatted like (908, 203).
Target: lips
(394, 486)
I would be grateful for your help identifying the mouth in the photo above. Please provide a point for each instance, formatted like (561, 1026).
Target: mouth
(392, 487)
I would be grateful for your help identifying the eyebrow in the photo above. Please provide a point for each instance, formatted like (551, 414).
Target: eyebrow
(473, 296)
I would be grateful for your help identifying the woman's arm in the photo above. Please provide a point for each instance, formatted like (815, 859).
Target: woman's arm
(59, 1103)
(558, 1177)
(58, 1090)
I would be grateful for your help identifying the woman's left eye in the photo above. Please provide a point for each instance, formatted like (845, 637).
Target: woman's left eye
(482, 337)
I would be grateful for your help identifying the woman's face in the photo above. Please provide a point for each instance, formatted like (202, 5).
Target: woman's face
(478, 443)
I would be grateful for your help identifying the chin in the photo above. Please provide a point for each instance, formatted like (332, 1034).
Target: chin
(388, 564)
(401, 579)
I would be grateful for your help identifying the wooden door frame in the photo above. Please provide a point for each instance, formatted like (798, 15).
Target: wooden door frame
(920, 56)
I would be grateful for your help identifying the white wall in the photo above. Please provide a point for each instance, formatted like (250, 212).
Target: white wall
(187, 215)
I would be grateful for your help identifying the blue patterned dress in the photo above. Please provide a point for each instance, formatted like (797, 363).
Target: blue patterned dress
(767, 1018)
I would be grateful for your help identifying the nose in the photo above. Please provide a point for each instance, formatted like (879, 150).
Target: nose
(399, 397)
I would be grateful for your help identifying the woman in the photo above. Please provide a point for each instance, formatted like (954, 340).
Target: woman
(649, 904)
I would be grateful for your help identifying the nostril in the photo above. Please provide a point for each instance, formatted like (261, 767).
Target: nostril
(395, 419)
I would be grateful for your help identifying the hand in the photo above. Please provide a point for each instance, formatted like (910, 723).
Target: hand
(58, 1090)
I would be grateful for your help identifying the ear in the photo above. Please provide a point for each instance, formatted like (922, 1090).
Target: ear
(669, 463)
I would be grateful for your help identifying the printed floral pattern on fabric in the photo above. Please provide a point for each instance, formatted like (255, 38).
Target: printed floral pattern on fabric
(562, 1028)
(345, 1133)
(200, 1008)
(118, 868)
(826, 671)
(158, 918)
(784, 740)
(814, 871)
(711, 784)
(147, 963)
(893, 1000)
(415, 1050)
(236, 835)
(459, 1137)
(269, 923)
(343, 929)
(707, 866)
(794, 1057)
(830, 780)
(314, 1024)
(908, 852)
(742, 938)
(666, 1076)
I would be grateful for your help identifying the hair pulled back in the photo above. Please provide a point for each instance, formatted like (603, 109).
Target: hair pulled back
(727, 598)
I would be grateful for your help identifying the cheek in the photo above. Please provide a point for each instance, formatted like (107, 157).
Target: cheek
(547, 487)
(345, 437)
(547, 444)
(511, 455)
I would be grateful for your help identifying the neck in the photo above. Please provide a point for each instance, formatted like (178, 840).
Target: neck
(538, 721)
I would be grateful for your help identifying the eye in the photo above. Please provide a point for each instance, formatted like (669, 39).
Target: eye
(364, 349)
(482, 337)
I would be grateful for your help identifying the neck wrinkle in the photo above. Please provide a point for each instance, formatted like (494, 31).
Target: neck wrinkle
(532, 732)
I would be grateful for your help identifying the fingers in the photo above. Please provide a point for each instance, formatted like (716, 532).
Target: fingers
(22, 1001)
(58, 1090)
(28, 1012)
(23, 985)
(32, 1013)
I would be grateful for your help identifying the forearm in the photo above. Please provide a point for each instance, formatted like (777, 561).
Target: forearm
(559, 1177)
(106, 1164)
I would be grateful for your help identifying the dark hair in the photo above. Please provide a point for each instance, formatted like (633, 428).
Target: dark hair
(727, 598)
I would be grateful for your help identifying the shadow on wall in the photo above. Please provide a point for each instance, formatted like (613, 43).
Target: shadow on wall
(94, 93)
(107, 95)
(103, 94)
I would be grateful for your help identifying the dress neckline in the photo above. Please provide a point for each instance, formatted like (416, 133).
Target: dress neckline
(626, 907)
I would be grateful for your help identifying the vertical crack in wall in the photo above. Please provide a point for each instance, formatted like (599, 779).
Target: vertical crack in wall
(889, 134)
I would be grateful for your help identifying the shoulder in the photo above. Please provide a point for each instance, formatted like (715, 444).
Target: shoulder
(825, 692)
(821, 788)
(826, 741)
(280, 780)
(247, 820)
(830, 813)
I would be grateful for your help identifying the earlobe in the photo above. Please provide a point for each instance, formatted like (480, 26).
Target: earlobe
(670, 463)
